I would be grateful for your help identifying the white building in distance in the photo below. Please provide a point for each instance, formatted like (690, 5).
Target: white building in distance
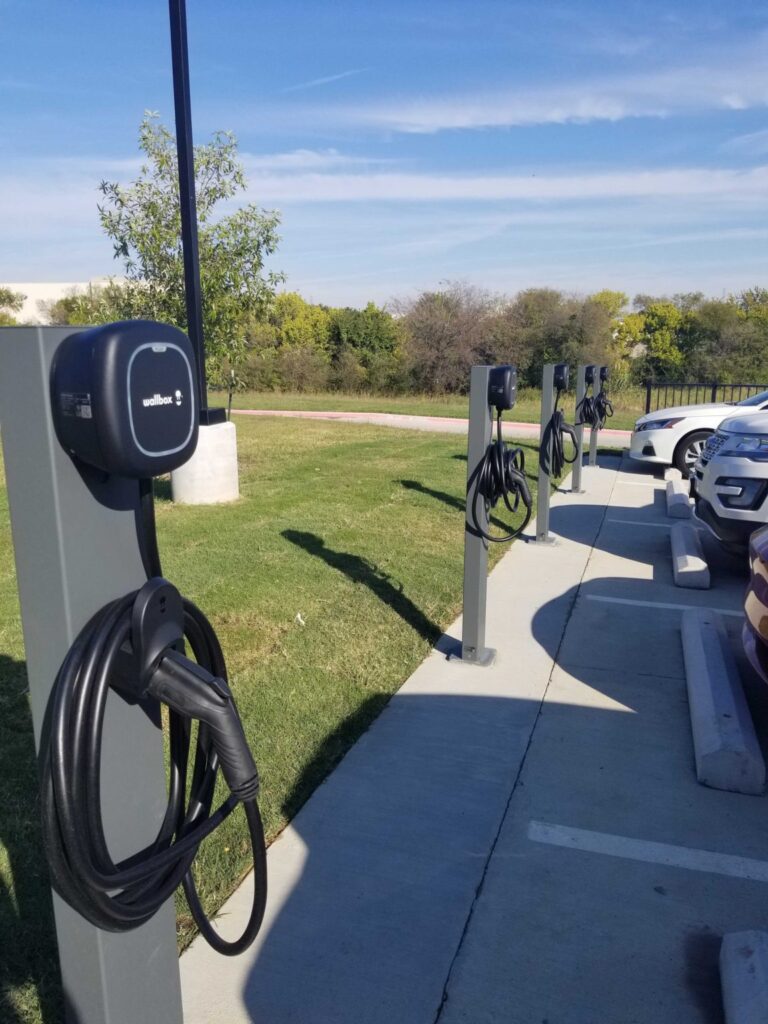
(38, 293)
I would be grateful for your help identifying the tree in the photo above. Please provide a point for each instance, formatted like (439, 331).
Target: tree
(663, 325)
(367, 348)
(300, 324)
(445, 331)
(10, 303)
(144, 223)
(612, 302)
(96, 305)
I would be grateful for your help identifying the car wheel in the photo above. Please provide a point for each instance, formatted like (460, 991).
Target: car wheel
(689, 450)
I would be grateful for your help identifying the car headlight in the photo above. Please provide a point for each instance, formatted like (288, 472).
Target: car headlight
(743, 443)
(659, 424)
(741, 492)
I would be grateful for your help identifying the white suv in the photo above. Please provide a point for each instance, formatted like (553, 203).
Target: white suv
(676, 436)
(730, 479)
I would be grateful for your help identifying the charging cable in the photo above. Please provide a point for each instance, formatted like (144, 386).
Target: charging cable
(136, 647)
(553, 457)
(500, 475)
(603, 407)
(593, 411)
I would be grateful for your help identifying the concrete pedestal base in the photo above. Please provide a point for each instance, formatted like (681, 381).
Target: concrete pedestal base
(210, 476)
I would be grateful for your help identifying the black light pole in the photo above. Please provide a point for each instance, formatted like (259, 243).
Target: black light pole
(188, 206)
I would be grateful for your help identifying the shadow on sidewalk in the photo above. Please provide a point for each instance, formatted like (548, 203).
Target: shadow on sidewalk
(374, 908)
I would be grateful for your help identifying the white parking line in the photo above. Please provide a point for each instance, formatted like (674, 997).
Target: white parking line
(649, 852)
(668, 606)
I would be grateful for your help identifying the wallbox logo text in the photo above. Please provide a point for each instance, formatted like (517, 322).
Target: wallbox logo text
(161, 400)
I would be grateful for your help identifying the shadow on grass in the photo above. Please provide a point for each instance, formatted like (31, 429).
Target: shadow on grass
(27, 936)
(331, 751)
(448, 499)
(380, 583)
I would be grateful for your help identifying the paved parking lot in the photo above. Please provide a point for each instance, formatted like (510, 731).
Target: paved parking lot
(524, 844)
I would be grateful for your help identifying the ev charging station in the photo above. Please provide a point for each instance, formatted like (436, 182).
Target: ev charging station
(494, 472)
(88, 418)
(552, 434)
(76, 550)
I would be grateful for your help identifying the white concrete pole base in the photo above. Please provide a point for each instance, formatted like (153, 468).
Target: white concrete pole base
(726, 749)
(744, 977)
(210, 477)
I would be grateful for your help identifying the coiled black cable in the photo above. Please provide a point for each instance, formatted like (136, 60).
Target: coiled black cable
(500, 475)
(121, 896)
(594, 410)
(553, 457)
(603, 408)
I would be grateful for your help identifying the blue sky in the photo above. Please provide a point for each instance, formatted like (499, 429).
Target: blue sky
(580, 145)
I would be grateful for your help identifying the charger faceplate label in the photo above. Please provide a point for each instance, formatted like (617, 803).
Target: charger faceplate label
(77, 403)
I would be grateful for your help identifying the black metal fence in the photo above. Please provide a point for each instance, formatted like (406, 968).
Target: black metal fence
(662, 394)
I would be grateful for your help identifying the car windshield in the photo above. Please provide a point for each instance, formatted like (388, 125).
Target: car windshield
(756, 400)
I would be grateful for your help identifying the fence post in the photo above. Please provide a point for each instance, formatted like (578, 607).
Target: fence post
(713, 393)
(648, 389)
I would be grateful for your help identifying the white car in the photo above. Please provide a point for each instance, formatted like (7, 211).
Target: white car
(676, 436)
(729, 482)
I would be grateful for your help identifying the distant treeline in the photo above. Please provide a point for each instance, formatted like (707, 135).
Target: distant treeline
(427, 344)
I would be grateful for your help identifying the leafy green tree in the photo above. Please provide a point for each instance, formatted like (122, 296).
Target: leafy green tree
(662, 335)
(10, 303)
(96, 305)
(300, 324)
(613, 302)
(628, 346)
(367, 348)
(144, 223)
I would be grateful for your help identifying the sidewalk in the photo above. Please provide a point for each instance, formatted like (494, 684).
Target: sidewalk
(436, 424)
(524, 843)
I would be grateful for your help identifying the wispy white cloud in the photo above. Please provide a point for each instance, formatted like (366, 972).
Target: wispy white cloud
(752, 144)
(305, 160)
(429, 188)
(314, 83)
(736, 84)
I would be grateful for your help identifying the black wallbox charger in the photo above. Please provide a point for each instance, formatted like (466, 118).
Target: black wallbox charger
(502, 387)
(124, 398)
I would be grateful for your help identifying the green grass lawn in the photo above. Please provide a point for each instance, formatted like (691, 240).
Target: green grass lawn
(628, 404)
(357, 529)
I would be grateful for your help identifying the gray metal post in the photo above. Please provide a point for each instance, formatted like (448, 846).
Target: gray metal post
(543, 495)
(473, 647)
(74, 553)
(581, 390)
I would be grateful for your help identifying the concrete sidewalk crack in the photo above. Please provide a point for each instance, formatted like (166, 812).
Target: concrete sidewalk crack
(523, 759)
